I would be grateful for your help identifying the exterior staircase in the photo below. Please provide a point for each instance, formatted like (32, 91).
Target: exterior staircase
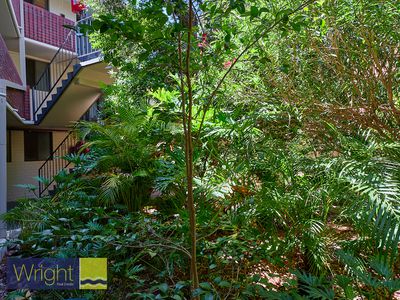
(55, 163)
(61, 71)
(52, 97)
(54, 81)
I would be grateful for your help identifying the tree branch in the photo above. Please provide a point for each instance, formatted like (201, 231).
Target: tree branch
(248, 47)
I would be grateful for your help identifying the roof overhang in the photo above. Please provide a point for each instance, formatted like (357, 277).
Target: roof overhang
(9, 27)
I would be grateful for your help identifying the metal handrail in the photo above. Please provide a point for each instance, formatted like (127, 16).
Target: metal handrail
(54, 57)
(55, 150)
(54, 162)
(57, 67)
(48, 81)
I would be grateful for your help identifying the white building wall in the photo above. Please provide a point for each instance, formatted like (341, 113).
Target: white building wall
(62, 7)
(23, 172)
(15, 58)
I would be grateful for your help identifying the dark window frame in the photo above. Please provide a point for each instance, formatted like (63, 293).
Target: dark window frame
(34, 3)
(31, 158)
(32, 78)
(9, 153)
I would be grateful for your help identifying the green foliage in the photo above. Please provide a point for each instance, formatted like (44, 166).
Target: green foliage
(296, 153)
(135, 244)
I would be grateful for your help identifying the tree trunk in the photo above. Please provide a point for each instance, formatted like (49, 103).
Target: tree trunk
(187, 126)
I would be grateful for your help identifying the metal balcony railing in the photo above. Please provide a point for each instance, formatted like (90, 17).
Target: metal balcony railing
(83, 46)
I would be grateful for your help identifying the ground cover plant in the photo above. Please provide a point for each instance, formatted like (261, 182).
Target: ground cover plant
(247, 150)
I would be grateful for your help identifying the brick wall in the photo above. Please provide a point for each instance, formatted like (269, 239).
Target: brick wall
(46, 27)
(8, 71)
(27, 103)
(20, 100)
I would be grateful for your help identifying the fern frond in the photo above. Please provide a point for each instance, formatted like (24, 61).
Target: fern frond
(377, 181)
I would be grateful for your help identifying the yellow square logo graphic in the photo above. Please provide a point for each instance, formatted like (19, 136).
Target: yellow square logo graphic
(93, 273)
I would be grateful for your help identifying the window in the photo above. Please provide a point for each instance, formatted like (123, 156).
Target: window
(41, 3)
(38, 145)
(8, 146)
(93, 113)
(34, 71)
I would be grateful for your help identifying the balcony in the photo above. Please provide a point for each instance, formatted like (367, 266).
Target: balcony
(46, 27)
(8, 71)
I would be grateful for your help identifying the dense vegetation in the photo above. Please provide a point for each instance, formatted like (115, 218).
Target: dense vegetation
(281, 118)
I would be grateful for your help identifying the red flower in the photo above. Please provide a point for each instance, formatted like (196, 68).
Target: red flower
(227, 64)
(203, 42)
(78, 148)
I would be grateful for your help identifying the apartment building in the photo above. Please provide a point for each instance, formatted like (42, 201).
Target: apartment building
(50, 77)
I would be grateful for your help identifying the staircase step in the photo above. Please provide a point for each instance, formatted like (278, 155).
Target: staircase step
(76, 67)
(68, 77)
